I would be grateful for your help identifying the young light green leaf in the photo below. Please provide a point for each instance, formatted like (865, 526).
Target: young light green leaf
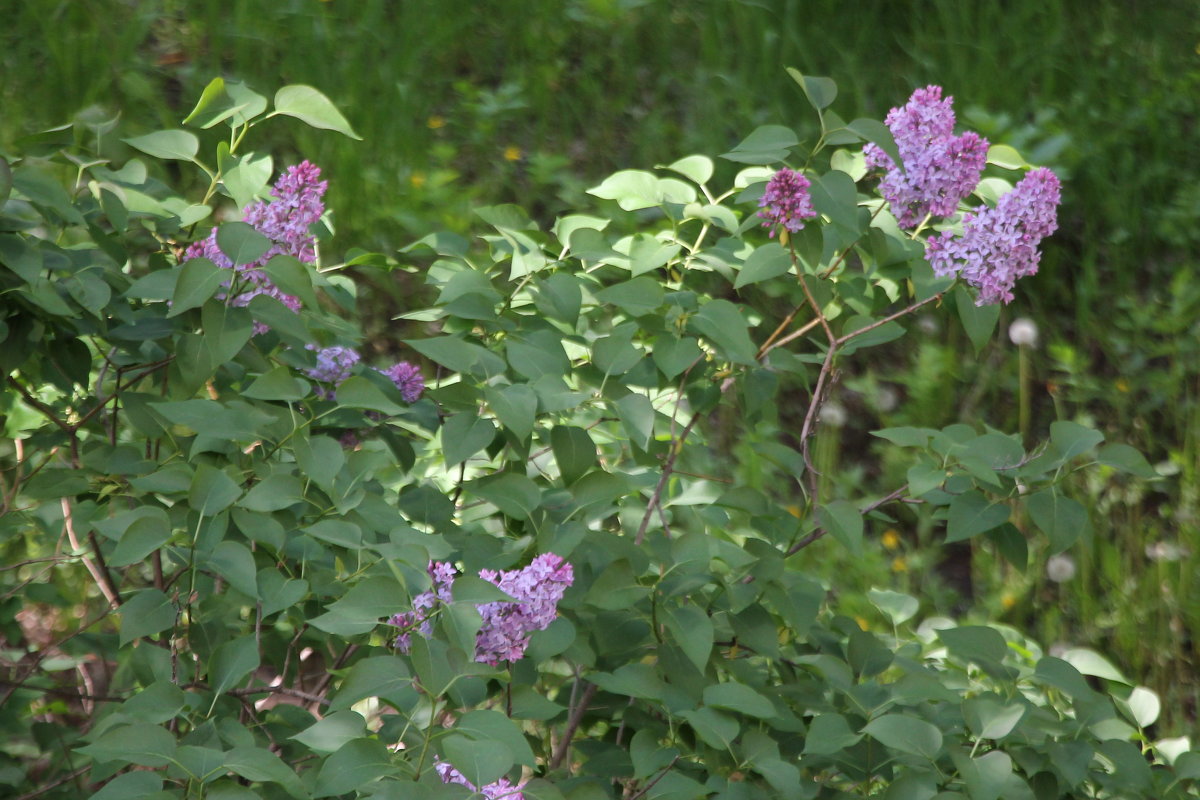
(309, 105)
(171, 144)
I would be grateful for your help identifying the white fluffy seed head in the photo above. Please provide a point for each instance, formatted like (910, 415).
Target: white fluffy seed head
(1023, 332)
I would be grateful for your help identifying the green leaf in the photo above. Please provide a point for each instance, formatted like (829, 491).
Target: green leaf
(455, 354)
(320, 458)
(835, 196)
(277, 592)
(464, 435)
(310, 106)
(329, 734)
(386, 677)
(897, 606)
(692, 630)
(637, 414)
(212, 491)
(231, 663)
(245, 177)
(480, 761)
(829, 733)
(222, 100)
(842, 519)
(492, 725)
(733, 696)
(722, 324)
(971, 514)
(698, 168)
(975, 643)
(767, 144)
(359, 762)
(141, 743)
(881, 135)
(631, 680)
(132, 786)
(515, 406)
(157, 703)
(241, 242)
(361, 608)
(234, 562)
(574, 452)
(1062, 519)
(766, 262)
(1089, 662)
(978, 321)
(515, 495)
(988, 718)
(6, 182)
(146, 613)
(1143, 705)
(674, 355)
(257, 764)
(1126, 459)
(278, 384)
(1005, 157)
(907, 734)
(172, 144)
(198, 280)
(821, 92)
(144, 535)
(338, 532)
(716, 729)
(635, 297)
(1072, 439)
(293, 277)
(360, 392)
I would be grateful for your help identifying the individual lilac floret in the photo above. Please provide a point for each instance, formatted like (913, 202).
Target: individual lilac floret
(502, 788)
(999, 245)
(786, 201)
(333, 366)
(285, 221)
(408, 380)
(507, 626)
(940, 169)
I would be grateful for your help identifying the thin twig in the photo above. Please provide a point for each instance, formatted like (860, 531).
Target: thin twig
(662, 774)
(96, 568)
(70, 776)
(668, 466)
(564, 744)
(284, 690)
(819, 532)
(877, 323)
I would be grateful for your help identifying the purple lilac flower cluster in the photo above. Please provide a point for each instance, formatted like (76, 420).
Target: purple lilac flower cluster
(507, 626)
(786, 201)
(940, 169)
(999, 245)
(502, 789)
(334, 365)
(285, 221)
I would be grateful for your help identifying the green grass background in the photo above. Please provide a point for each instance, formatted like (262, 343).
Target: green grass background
(532, 102)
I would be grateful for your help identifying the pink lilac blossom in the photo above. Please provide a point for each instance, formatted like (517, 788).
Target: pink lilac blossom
(999, 245)
(502, 789)
(786, 201)
(507, 626)
(285, 221)
(940, 169)
(408, 380)
(333, 366)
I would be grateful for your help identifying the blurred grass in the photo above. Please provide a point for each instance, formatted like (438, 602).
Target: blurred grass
(533, 102)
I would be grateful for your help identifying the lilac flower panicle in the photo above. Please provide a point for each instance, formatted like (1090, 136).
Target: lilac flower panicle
(333, 366)
(285, 221)
(507, 626)
(502, 789)
(999, 245)
(786, 201)
(408, 380)
(940, 169)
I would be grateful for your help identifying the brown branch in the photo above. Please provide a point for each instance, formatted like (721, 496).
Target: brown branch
(284, 690)
(867, 509)
(668, 467)
(97, 568)
(46, 410)
(877, 323)
(70, 776)
(662, 774)
(564, 743)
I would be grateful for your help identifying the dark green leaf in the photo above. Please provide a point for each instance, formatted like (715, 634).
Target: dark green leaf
(141, 743)
(232, 662)
(146, 613)
(971, 514)
(766, 262)
(722, 324)
(906, 734)
(574, 451)
(241, 242)
(198, 279)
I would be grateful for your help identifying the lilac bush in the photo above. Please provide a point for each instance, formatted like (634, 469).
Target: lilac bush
(939, 169)
(507, 626)
(999, 245)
